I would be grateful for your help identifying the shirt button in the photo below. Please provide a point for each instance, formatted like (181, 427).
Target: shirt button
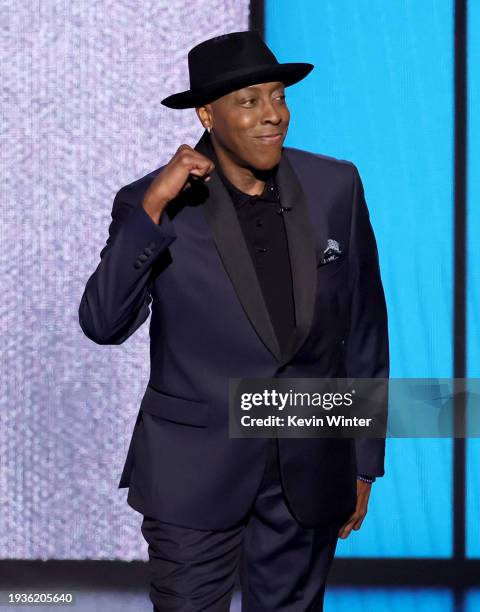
(258, 223)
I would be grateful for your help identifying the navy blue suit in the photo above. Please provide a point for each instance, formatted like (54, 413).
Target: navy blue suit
(209, 322)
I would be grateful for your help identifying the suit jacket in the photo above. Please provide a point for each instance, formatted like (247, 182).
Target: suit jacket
(209, 322)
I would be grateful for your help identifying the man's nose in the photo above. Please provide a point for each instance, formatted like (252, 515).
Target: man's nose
(270, 113)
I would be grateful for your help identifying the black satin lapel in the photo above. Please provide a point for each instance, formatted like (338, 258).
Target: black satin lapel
(220, 214)
(302, 250)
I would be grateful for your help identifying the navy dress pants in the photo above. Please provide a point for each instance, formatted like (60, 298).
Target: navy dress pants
(283, 566)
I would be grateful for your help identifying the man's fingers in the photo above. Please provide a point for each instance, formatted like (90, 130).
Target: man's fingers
(347, 527)
(354, 522)
(344, 532)
(198, 167)
(185, 146)
(358, 524)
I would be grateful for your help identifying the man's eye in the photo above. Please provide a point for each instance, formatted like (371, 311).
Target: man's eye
(282, 97)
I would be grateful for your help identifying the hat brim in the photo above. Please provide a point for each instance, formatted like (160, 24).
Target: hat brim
(288, 73)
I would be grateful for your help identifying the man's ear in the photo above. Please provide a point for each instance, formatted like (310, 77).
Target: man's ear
(203, 114)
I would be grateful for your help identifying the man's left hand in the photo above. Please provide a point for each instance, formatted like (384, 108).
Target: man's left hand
(355, 521)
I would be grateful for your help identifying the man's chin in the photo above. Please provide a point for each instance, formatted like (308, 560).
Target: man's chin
(263, 167)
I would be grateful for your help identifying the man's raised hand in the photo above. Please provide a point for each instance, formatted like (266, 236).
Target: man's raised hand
(174, 178)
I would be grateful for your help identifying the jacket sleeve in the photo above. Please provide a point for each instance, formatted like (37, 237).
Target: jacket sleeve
(116, 298)
(367, 344)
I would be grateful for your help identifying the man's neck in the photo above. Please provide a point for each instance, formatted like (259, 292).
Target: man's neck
(245, 179)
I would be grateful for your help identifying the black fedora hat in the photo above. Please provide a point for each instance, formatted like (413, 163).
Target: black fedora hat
(231, 61)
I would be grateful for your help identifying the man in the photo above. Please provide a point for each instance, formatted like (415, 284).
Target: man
(259, 261)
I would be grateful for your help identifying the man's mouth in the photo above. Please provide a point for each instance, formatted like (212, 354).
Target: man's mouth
(270, 139)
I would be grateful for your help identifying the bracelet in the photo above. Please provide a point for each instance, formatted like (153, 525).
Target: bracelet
(366, 479)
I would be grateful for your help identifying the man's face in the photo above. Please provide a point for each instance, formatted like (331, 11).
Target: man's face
(241, 118)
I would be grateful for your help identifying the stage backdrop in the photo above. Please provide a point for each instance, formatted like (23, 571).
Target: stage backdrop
(81, 116)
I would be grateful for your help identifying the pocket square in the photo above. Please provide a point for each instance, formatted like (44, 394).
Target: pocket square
(331, 252)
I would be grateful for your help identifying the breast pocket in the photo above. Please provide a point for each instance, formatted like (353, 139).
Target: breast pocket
(175, 409)
(330, 268)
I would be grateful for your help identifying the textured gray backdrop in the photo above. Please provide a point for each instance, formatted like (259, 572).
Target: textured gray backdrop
(80, 117)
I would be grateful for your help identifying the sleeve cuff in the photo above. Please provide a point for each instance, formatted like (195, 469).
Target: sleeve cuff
(366, 478)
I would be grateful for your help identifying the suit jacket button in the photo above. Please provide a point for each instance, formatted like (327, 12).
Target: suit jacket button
(143, 257)
(137, 264)
(152, 245)
(147, 251)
